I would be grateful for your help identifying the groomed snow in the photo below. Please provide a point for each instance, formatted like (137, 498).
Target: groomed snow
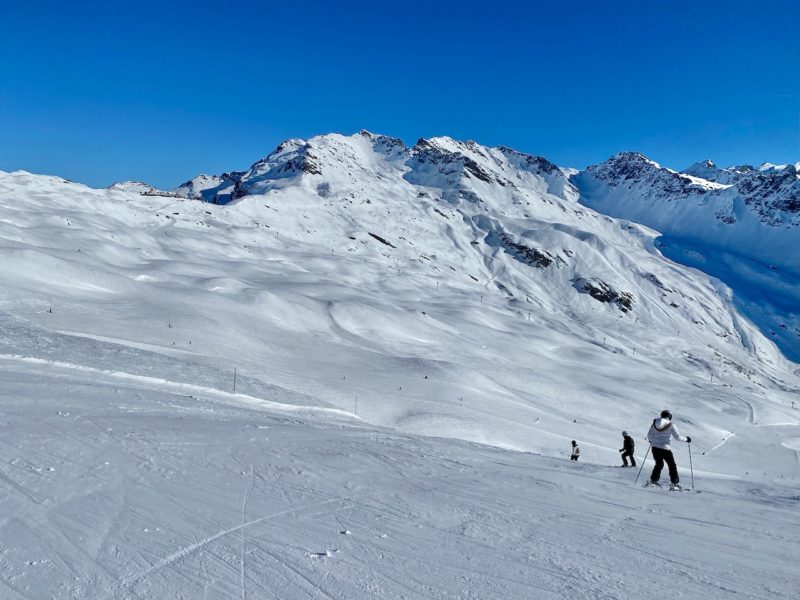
(131, 489)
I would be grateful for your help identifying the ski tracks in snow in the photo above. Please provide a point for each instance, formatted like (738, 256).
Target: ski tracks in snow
(186, 551)
(188, 389)
(245, 498)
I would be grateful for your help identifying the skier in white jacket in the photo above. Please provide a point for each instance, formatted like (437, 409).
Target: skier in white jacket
(661, 431)
(576, 451)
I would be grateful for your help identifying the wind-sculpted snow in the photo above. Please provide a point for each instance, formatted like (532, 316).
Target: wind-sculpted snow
(231, 400)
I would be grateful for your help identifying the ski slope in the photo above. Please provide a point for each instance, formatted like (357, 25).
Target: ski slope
(409, 371)
(122, 488)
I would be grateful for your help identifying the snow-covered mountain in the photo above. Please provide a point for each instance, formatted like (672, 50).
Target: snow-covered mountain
(731, 175)
(212, 383)
(216, 189)
(734, 202)
(733, 223)
(739, 224)
(138, 187)
(370, 246)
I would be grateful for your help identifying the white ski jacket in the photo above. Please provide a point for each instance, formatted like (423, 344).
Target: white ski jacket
(661, 431)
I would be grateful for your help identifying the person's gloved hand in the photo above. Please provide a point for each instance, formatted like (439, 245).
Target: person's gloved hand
(688, 439)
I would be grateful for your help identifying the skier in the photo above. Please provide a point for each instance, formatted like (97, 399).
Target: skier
(576, 452)
(659, 436)
(627, 450)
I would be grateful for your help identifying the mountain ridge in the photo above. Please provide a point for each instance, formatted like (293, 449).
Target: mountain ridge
(745, 225)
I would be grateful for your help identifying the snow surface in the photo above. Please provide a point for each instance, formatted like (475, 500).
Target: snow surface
(409, 371)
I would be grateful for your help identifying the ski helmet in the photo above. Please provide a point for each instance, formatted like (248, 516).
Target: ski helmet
(624, 433)
(665, 414)
(574, 443)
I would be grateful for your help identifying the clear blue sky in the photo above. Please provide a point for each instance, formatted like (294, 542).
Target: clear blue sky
(162, 90)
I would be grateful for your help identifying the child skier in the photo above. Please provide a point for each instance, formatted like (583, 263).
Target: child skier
(659, 436)
(627, 450)
(576, 452)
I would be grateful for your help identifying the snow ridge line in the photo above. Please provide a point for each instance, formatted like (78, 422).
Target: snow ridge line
(192, 548)
(183, 387)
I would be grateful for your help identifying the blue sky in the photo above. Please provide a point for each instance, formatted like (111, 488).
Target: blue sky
(160, 91)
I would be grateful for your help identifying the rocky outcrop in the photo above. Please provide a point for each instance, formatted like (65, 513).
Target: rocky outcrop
(534, 257)
(604, 292)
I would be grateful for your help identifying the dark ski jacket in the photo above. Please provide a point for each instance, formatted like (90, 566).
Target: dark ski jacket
(628, 444)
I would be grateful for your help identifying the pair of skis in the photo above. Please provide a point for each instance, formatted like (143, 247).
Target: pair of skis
(672, 488)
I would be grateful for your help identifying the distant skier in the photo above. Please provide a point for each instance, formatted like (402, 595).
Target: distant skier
(576, 451)
(659, 436)
(627, 450)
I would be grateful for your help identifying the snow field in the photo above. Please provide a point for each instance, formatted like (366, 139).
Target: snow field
(125, 492)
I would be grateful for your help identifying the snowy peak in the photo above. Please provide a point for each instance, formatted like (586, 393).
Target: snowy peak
(771, 191)
(469, 170)
(770, 194)
(634, 169)
(711, 172)
(383, 143)
(298, 162)
(771, 168)
(442, 157)
(289, 158)
(335, 160)
(732, 175)
(624, 166)
(215, 189)
(534, 164)
(774, 193)
(138, 187)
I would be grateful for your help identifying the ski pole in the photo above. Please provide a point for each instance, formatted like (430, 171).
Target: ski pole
(642, 467)
(691, 469)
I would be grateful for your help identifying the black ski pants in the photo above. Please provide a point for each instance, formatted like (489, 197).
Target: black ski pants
(628, 454)
(662, 456)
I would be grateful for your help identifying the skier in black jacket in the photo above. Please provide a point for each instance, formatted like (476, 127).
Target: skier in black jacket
(627, 450)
